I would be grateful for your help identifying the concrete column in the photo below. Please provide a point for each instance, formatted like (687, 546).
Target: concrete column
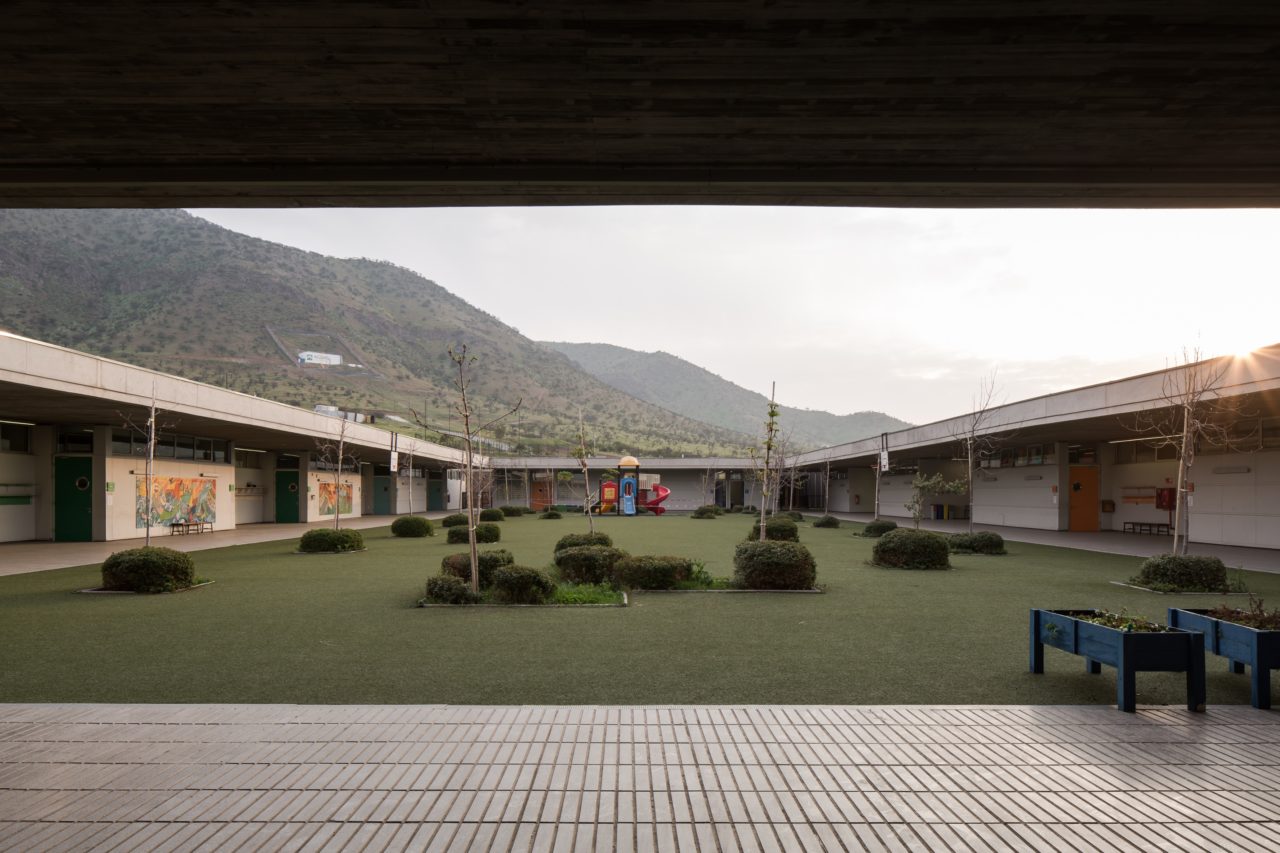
(268, 477)
(101, 449)
(1064, 485)
(43, 442)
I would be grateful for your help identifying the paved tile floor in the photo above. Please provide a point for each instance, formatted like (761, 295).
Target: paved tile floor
(277, 777)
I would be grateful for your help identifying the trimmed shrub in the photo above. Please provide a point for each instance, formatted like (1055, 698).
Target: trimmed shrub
(151, 569)
(588, 563)
(736, 508)
(327, 540)
(511, 511)
(412, 526)
(574, 540)
(447, 589)
(776, 529)
(706, 512)
(522, 585)
(983, 542)
(648, 572)
(911, 549)
(773, 565)
(458, 519)
(1190, 573)
(876, 529)
(750, 509)
(789, 513)
(459, 565)
(551, 514)
(485, 533)
(827, 521)
(492, 515)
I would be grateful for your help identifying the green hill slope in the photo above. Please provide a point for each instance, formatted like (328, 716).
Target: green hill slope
(170, 291)
(678, 385)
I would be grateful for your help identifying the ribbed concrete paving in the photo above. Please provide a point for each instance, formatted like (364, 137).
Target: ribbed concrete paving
(279, 777)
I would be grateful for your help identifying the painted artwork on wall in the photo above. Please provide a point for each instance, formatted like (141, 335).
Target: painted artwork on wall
(176, 499)
(331, 496)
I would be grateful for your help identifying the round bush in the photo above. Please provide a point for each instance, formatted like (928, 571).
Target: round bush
(509, 511)
(458, 519)
(773, 565)
(983, 542)
(551, 514)
(492, 515)
(326, 540)
(876, 529)
(447, 589)
(522, 585)
(1189, 573)
(911, 549)
(151, 569)
(412, 526)
(485, 533)
(788, 513)
(574, 540)
(648, 572)
(827, 521)
(751, 510)
(459, 565)
(706, 512)
(776, 529)
(588, 563)
(736, 508)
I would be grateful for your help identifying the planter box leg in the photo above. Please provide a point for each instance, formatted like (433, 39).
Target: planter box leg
(1092, 667)
(1260, 687)
(1195, 673)
(1236, 666)
(1126, 682)
(1037, 647)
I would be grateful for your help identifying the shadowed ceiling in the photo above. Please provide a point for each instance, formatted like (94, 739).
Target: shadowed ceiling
(930, 103)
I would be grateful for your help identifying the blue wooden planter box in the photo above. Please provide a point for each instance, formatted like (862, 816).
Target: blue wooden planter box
(1240, 645)
(1130, 652)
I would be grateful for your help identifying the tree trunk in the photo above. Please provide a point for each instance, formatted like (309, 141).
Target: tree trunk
(969, 473)
(1180, 493)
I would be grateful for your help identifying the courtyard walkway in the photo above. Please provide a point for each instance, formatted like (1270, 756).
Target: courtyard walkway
(21, 557)
(1106, 541)
(806, 778)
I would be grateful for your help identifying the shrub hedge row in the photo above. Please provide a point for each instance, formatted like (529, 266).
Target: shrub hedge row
(485, 533)
(574, 540)
(522, 585)
(827, 521)
(876, 529)
(588, 563)
(459, 565)
(982, 542)
(776, 529)
(651, 572)
(448, 589)
(455, 520)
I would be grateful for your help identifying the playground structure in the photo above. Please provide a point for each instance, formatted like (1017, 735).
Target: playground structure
(632, 492)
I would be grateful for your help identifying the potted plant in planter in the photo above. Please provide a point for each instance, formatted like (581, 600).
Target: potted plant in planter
(1129, 644)
(1243, 637)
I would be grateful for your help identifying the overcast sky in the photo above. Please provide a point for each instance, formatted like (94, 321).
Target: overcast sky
(901, 311)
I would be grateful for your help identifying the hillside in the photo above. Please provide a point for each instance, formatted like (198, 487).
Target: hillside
(678, 385)
(168, 290)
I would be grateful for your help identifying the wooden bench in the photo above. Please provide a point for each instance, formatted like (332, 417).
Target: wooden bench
(185, 527)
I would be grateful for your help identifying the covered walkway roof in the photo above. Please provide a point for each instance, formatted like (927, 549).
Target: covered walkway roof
(469, 102)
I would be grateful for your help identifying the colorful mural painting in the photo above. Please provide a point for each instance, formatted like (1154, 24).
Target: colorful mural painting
(329, 496)
(176, 499)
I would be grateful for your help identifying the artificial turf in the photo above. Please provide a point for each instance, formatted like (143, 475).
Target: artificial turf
(281, 627)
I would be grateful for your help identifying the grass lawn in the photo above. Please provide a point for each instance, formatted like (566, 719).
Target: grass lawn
(281, 627)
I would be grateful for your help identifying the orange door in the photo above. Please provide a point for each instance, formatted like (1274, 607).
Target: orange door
(1085, 500)
(541, 496)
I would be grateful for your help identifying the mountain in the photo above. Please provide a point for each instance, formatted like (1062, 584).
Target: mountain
(678, 385)
(168, 290)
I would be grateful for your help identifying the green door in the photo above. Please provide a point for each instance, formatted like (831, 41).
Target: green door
(435, 494)
(382, 496)
(73, 499)
(287, 497)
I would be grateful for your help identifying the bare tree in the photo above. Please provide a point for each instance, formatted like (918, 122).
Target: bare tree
(148, 431)
(335, 453)
(971, 433)
(581, 455)
(462, 361)
(1194, 411)
(765, 475)
(826, 488)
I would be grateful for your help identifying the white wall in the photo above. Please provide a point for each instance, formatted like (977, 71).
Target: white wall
(314, 478)
(251, 507)
(1236, 508)
(121, 504)
(17, 478)
(1015, 497)
(401, 486)
(1141, 480)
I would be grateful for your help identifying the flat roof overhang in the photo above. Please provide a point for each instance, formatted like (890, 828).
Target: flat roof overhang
(1140, 103)
(42, 383)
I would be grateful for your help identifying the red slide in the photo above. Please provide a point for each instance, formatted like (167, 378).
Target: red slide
(660, 494)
